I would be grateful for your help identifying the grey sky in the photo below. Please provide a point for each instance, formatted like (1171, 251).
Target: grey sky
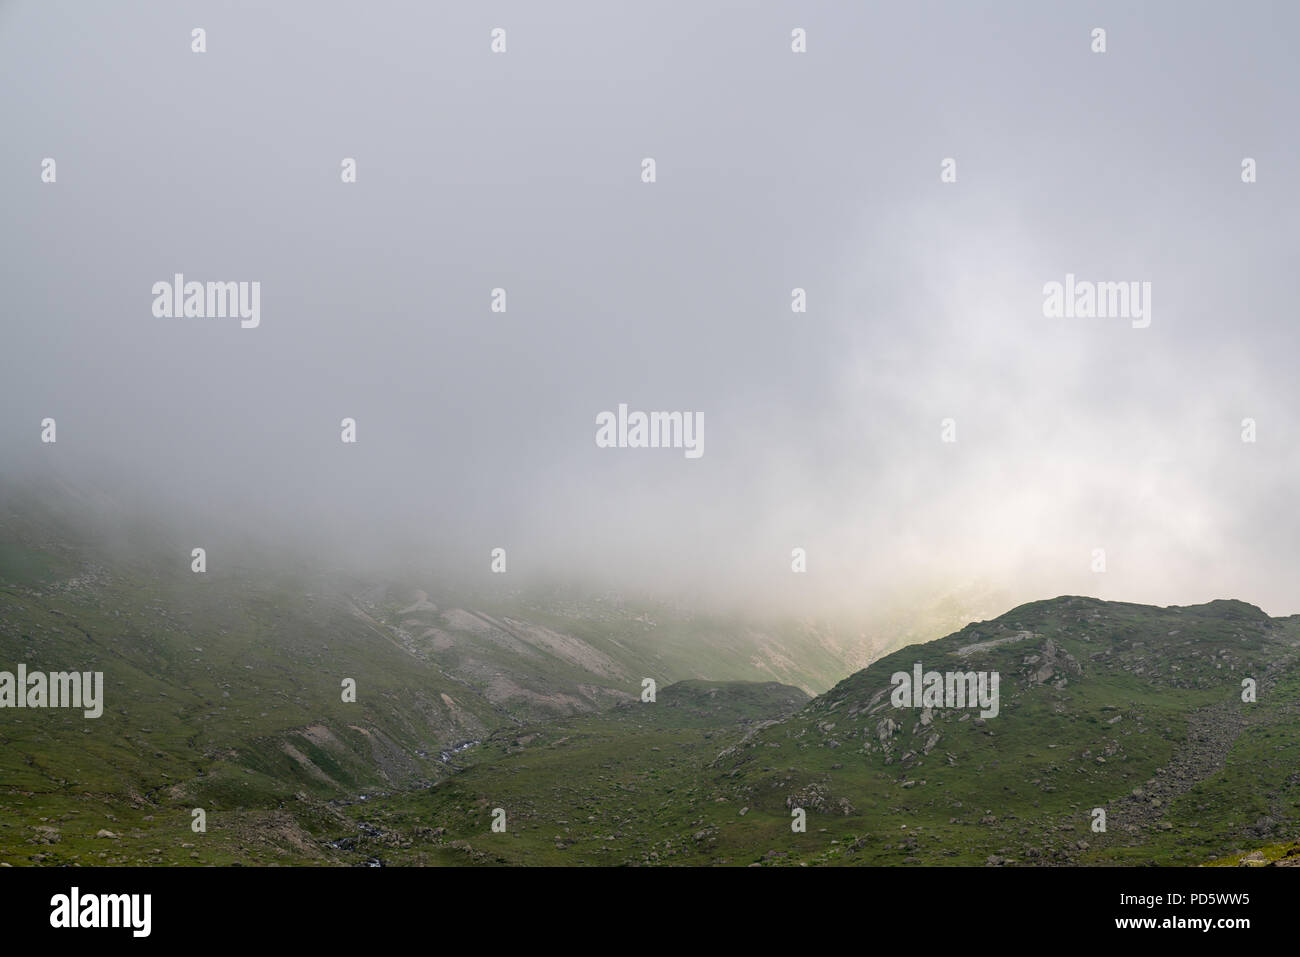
(775, 170)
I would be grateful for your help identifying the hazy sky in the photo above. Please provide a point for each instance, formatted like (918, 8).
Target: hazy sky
(775, 170)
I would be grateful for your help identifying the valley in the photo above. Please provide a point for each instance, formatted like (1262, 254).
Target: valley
(1118, 733)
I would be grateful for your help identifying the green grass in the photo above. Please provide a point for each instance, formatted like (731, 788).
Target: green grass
(222, 692)
(639, 788)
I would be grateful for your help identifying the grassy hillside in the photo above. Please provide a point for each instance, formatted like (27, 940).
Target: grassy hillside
(629, 786)
(223, 692)
(1131, 709)
(223, 689)
(1128, 708)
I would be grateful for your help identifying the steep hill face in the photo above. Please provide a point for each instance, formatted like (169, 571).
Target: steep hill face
(1128, 710)
(537, 655)
(219, 693)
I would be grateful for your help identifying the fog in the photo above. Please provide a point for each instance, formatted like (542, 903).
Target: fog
(522, 171)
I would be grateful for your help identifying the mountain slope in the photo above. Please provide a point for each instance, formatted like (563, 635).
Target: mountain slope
(1134, 710)
(1130, 709)
(223, 689)
(223, 692)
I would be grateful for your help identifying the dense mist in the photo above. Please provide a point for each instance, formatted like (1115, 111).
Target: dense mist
(826, 430)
